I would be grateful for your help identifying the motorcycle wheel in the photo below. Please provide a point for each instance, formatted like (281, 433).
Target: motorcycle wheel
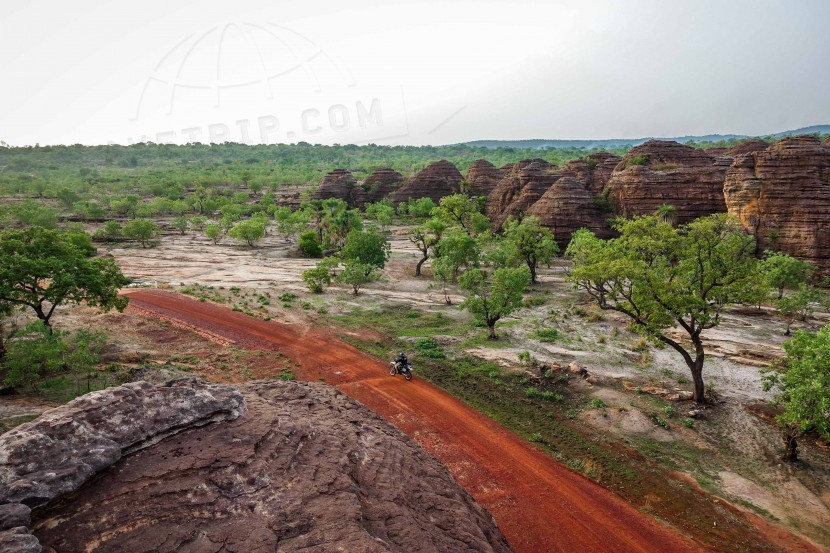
(392, 371)
(407, 375)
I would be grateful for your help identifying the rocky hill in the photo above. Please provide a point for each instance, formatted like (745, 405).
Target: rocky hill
(267, 466)
(482, 177)
(381, 183)
(594, 170)
(782, 195)
(437, 180)
(567, 207)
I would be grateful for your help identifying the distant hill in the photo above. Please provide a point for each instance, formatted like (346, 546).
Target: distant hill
(623, 142)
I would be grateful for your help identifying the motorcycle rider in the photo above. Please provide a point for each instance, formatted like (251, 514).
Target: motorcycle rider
(401, 362)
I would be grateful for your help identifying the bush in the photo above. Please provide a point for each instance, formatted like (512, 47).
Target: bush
(547, 334)
(428, 347)
(34, 355)
(597, 404)
(639, 159)
(316, 279)
(534, 392)
(309, 246)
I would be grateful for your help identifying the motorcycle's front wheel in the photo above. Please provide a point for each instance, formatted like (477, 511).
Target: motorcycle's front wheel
(392, 370)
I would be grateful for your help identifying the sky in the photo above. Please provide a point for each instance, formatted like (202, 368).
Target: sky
(408, 72)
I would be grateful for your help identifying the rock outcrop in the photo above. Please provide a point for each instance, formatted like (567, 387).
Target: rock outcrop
(566, 207)
(381, 183)
(342, 185)
(437, 180)
(305, 468)
(482, 177)
(782, 196)
(60, 451)
(666, 172)
(525, 182)
(747, 148)
(593, 171)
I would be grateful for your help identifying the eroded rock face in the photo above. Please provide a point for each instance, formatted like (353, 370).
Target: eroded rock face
(304, 469)
(482, 177)
(666, 172)
(340, 184)
(593, 171)
(782, 195)
(566, 207)
(522, 186)
(381, 183)
(437, 180)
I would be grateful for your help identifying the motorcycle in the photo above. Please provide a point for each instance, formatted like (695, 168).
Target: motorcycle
(405, 371)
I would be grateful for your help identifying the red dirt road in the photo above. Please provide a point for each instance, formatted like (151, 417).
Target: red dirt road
(540, 505)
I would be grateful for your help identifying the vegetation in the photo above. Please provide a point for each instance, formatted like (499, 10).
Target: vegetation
(249, 231)
(783, 272)
(803, 384)
(43, 269)
(660, 276)
(532, 242)
(491, 297)
(143, 230)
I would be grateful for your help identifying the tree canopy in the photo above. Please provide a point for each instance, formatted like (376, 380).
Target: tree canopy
(661, 276)
(533, 242)
(43, 269)
(491, 297)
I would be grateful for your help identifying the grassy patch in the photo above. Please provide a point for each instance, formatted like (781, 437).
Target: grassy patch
(547, 334)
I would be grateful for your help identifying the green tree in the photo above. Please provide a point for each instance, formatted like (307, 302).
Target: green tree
(32, 213)
(425, 237)
(42, 269)
(783, 272)
(382, 212)
(317, 277)
(35, 354)
(533, 242)
(803, 384)
(799, 305)
(456, 251)
(181, 224)
(110, 231)
(143, 230)
(491, 297)
(66, 197)
(309, 245)
(83, 357)
(660, 276)
(463, 211)
(369, 247)
(422, 207)
(250, 231)
(356, 275)
(213, 232)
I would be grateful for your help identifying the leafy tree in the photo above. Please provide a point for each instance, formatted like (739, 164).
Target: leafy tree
(660, 276)
(143, 230)
(496, 252)
(42, 269)
(456, 251)
(213, 232)
(198, 222)
(799, 305)
(426, 237)
(803, 384)
(533, 242)
(382, 212)
(317, 277)
(330, 264)
(784, 272)
(341, 224)
(490, 298)
(422, 207)
(181, 223)
(35, 354)
(316, 213)
(463, 211)
(290, 224)
(76, 236)
(66, 197)
(356, 274)
(31, 213)
(309, 245)
(250, 231)
(369, 247)
(82, 359)
(6, 309)
(110, 231)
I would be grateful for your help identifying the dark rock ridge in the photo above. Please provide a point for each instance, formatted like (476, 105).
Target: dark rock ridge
(66, 446)
(437, 180)
(567, 207)
(782, 195)
(305, 468)
(658, 173)
(381, 183)
(340, 184)
(482, 177)
(523, 185)
(593, 171)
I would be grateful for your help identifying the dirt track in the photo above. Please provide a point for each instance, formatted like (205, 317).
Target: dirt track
(539, 504)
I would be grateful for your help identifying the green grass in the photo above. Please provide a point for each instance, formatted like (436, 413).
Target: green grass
(547, 334)
(399, 322)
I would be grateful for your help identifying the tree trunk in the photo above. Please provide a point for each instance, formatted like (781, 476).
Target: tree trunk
(697, 372)
(418, 266)
(43, 317)
(492, 326)
(532, 267)
(790, 445)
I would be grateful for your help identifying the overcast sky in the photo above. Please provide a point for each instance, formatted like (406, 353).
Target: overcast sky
(408, 72)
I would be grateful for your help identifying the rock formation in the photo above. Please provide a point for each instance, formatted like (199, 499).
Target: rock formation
(666, 172)
(747, 148)
(523, 185)
(305, 468)
(593, 171)
(782, 195)
(340, 184)
(482, 177)
(437, 180)
(57, 453)
(381, 183)
(566, 207)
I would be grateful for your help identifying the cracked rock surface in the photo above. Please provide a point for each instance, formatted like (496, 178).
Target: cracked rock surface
(305, 468)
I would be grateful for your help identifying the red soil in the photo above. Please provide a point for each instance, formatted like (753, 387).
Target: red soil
(539, 504)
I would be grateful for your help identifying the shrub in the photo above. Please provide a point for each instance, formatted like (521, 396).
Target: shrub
(547, 334)
(428, 347)
(534, 392)
(309, 246)
(316, 279)
(639, 159)
(597, 404)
